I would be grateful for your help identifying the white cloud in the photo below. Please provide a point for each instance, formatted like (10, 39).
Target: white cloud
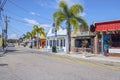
(46, 26)
(47, 3)
(13, 36)
(71, 2)
(34, 14)
(54, 3)
(31, 21)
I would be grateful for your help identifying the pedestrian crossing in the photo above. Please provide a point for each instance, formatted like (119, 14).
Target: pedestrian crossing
(87, 63)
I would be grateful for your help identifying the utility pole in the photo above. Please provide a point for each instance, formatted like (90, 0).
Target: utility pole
(6, 29)
(2, 3)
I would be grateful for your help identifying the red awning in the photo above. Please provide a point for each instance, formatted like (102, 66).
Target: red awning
(107, 26)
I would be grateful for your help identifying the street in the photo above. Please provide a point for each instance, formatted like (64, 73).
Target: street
(21, 63)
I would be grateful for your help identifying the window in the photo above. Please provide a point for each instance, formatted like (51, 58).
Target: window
(78, 43)
(115, 40)
(54, 42)
(61, 43)
(53, 30)
(64, 43)
(57, 42)
(50, 43)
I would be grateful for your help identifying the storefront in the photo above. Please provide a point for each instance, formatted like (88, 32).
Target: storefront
(82, 40)
(42, 40)
(107, 40)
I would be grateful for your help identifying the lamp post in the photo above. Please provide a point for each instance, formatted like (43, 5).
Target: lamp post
(55, 38)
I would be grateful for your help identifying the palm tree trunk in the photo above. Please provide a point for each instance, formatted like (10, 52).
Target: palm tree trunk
(68, 42)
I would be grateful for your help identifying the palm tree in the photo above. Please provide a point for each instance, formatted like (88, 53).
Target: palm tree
(38, 32)
(33, 33)
(71, 18)
(28, 35)
(23, 37)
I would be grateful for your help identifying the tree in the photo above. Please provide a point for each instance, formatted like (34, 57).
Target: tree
(72, 19)
(28, 35)
(39, 31)
(33, 33)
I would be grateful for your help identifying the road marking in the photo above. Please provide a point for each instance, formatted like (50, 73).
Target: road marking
(79, 62)
(100, 65)
(106, 66)
(91, 64)
(67, 59)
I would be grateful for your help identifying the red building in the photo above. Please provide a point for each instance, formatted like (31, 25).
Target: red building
(107, 40)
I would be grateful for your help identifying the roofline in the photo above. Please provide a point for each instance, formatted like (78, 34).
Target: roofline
(109, 21)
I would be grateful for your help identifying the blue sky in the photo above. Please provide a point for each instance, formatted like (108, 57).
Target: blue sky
(24, 13)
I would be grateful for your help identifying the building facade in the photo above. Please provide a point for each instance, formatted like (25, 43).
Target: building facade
(82, 40)
(107, 40)
(58, 39)
(42, 40)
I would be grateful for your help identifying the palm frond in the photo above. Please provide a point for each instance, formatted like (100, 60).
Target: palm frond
(35, 27)
(75, 9)
(74, 23)
(83, 23)
(41, 30)
(63, 7)
(33, 33)
(59, 20)
(58, 13)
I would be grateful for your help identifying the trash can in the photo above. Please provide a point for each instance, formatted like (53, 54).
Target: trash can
(54, 49)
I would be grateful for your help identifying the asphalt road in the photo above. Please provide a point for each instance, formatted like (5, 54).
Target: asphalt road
(21, 63)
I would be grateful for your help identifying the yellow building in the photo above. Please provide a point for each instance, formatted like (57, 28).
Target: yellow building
(42, 40)
(0, 41)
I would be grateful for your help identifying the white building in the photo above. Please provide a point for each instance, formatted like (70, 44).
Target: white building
(59, 40)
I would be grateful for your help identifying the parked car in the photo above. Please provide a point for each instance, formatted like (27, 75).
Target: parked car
(11, 45)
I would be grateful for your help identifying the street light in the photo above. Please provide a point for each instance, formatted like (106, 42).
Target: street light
(55, 43)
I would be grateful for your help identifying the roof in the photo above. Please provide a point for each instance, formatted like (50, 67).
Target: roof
(60, 32)
(107, 22)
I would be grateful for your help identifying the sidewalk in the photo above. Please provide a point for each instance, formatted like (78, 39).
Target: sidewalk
(90, 56)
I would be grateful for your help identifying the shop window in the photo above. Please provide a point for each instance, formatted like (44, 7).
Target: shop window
(78, 43)
(115, 40)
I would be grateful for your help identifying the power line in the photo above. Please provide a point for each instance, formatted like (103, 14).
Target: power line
(25, 10)
(18, 6)
(10, 12)
(2, 3)
(18, 20)
(18, 30)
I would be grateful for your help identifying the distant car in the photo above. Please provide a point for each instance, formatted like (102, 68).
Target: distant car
(11, 45)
